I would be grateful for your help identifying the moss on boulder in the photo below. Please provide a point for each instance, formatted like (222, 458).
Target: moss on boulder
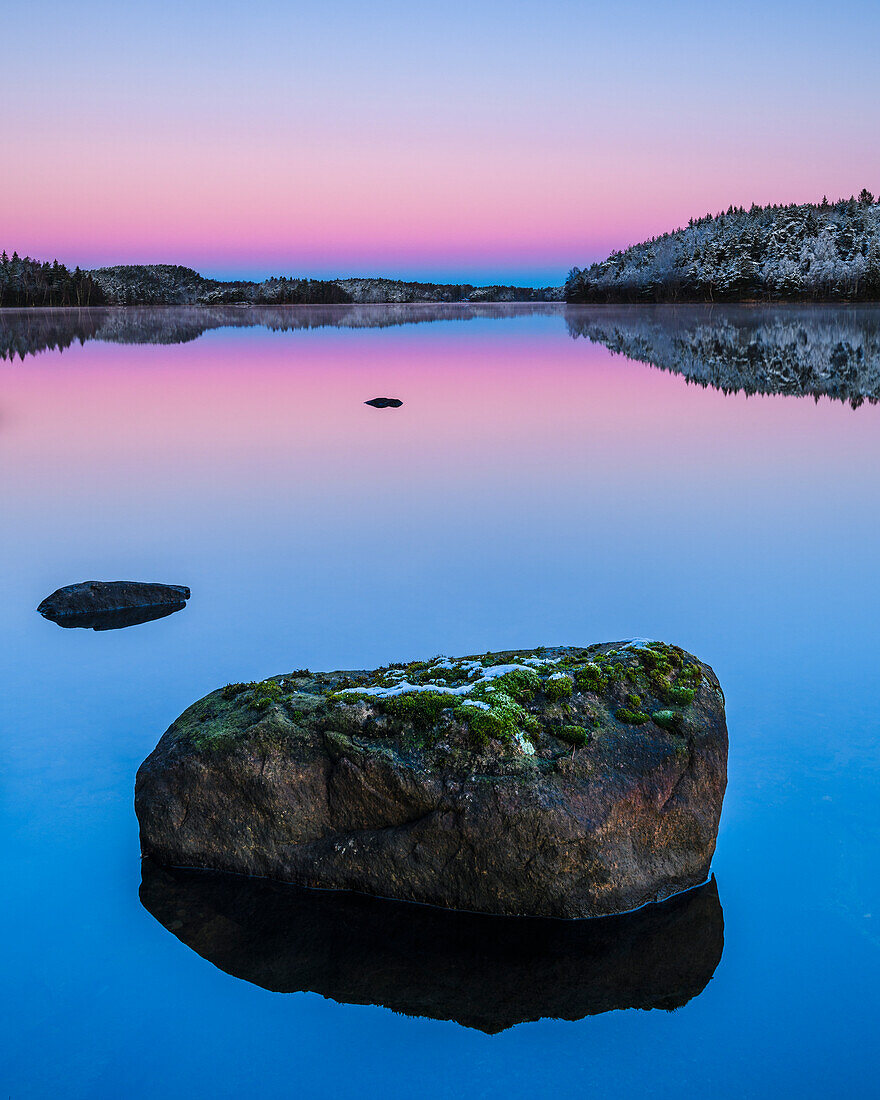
(552, 782)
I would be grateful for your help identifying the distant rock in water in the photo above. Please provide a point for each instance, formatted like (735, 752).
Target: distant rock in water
(109, 605)
(799, 351)
(567, 782)
(483, 972)
(384, 402)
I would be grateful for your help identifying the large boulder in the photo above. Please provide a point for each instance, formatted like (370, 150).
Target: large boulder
(563, 782)
(482, 971)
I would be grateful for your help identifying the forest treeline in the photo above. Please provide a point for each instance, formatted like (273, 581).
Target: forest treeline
(31, 283)
(166, 284)
(171, 284)
(27, 282)
(823, 251)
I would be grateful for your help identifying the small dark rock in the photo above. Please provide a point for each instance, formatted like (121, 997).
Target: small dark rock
(385, 402)
(104, 605)
(482, 972)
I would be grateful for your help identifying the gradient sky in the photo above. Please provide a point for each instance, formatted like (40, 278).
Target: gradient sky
(479, 140)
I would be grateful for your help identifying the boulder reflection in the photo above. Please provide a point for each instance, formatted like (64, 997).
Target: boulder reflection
(118, 618)
(482, 972)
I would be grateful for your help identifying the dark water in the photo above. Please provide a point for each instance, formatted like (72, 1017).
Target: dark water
(532, 488)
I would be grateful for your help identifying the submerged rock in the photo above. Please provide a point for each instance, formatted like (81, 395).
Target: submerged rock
(108, 605)
(384, 402)
(561, 782)
(481, 971)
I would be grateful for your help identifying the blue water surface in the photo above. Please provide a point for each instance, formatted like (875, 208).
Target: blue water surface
(531, 490)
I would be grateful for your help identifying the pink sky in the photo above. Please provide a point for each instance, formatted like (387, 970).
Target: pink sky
(503, 142)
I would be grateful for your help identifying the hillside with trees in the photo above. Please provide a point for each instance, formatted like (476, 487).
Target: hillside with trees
(30, 283)
(26, 282)
(165, 284)
(170, 284)
(819, 252)
(374, 291)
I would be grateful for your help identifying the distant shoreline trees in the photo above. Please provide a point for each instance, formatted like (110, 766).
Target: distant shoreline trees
(25, 282)
(172, 284)
(810, 252)
(30, 283)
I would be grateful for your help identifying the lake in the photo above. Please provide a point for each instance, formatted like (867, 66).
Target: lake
(554, 476)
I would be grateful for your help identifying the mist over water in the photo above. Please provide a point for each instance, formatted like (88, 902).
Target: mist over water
(531, 489)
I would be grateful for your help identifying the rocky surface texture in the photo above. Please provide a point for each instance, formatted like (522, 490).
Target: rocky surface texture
(97, 598)
(563, 782)
(481, 971)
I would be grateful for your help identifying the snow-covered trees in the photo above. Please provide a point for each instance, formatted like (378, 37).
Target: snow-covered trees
(819, 252)
(171, 284)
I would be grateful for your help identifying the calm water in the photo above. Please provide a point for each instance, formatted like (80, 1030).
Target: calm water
(533, 489)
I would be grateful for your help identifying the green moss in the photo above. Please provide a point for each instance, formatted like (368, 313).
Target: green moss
(451, 674)
(572, 735)
(263, 693)
(504, 718)
(652, 679)
(521, 684)
(231, 690)
(559, 687)
(266, 693)
(421, 708)
(658, 682)
(591, 678)
(668, 654)
(631, 717)
(653, 659)
(452, 677)
(692, 676)
(667, 719)
(213, 740)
